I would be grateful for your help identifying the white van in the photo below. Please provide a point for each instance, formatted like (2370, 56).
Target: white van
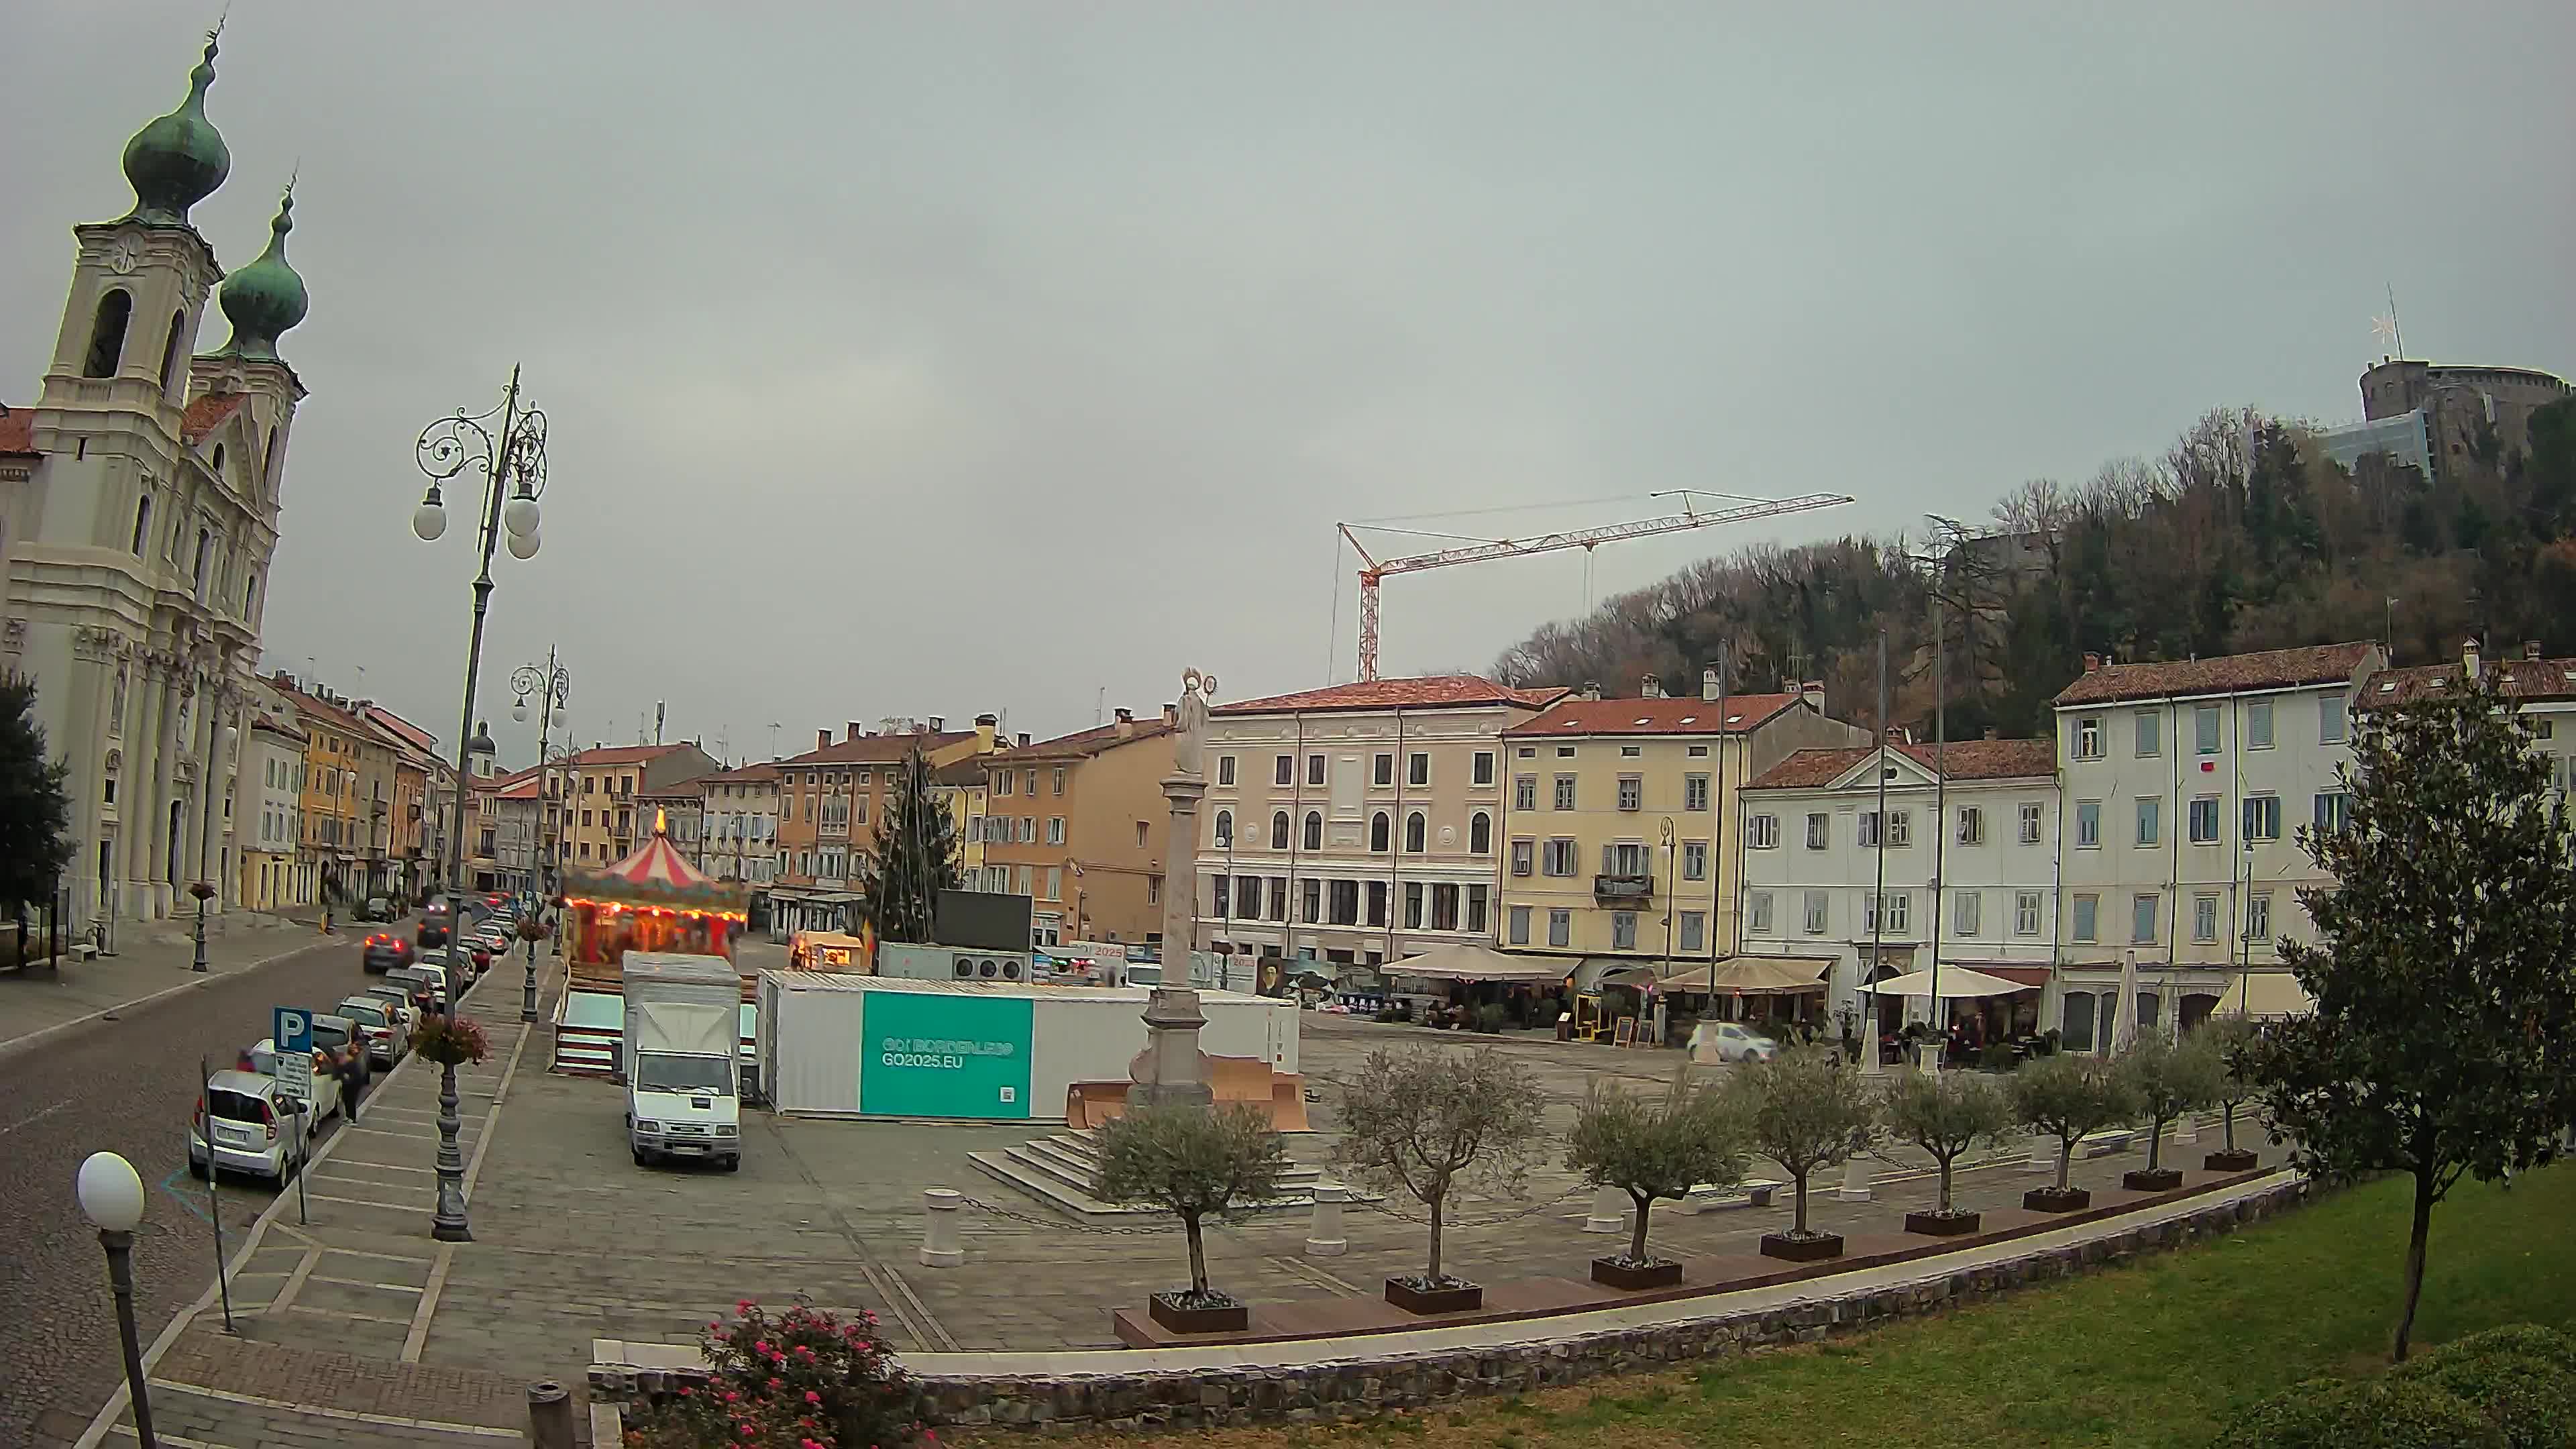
(680, 1054)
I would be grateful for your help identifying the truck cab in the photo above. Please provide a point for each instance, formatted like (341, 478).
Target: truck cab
(680, 1054)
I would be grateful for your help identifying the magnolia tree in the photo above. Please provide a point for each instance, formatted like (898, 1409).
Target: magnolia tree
(1657, 1147)
(1428, 1122)
(1192, 1162)
(2066, 1097)
(2443, 1043)
(1947, 1114)
(2166, 1080)
(1807, 1110)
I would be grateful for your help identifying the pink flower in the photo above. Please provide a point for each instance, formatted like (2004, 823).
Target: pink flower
(742, 1305)
(760, 1347)
(731, 1397)
(812, 1397)
(778, 1383)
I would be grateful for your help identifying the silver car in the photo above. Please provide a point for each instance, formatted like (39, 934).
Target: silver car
(386, 1042)
(245, 1123)
(1730, 1041)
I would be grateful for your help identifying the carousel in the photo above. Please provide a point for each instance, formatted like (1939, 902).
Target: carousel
(653, 900)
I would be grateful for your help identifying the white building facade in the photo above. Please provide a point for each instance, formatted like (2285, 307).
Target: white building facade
(269, 815)
(1962, 870)
(741, 825)
(2184, 787)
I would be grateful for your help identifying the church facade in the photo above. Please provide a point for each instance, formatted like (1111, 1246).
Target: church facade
(139, 505)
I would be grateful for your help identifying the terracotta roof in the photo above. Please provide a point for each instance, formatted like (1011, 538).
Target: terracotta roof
(967, 772)
(207, 413)
(1960, 759)
(759, 774)
(1435, 691)
(1654, 716)
(2521, 679)
(276, 726)
(878, 749)
(2226, 674)
(525, 789)
(17, 430)
(622, 754)
(412, 734)
(1083, 744)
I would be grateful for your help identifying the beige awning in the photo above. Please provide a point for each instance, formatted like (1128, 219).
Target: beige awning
(1957, 982)
(1466, 962)
(2266, 994)
(1753, 975)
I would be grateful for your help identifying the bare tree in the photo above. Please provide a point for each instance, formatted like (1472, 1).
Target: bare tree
(1427, 1122)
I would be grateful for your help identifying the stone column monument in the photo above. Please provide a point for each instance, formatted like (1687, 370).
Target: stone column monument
(1170, 1071)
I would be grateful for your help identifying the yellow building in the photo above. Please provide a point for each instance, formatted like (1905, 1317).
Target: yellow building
(603, 820)
(1078, 825)
(1616, 819)
(964, 787)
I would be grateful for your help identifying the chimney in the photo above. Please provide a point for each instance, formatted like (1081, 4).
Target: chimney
(822, 739)
(2469, 658)
(1023, 739)
(1126, 724)
(986, 727)
(1992, 733)
(2092, 661)
(2531, 649)
(1591, 689)
(852, 726)
(1650, 687)
(939, 724)
(1813, 692)
(1708, 685)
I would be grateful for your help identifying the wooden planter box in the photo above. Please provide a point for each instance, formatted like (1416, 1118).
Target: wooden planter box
(1462, 1298)
(1802, 1250)
(1662, 1273)
(2050, 1200)
(2162, 1179)
(1223, 1318)
(2239, 1160)
(1942, 1225)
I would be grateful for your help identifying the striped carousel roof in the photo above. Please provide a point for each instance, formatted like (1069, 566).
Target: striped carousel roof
(656, 874)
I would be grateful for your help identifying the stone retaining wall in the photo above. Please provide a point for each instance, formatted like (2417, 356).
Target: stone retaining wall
(1368, 1383)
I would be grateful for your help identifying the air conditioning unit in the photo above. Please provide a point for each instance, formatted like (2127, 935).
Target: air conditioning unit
(950, 963)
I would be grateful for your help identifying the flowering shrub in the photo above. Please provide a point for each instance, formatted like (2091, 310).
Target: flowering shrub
(450, 1043)
(802, 1379)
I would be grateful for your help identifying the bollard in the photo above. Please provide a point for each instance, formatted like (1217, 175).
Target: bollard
(2043, 1156)
(1609, 1212)
(1324, 1236)
(1855, 1186)
(549, 1415)
(2186, 1129)
(939, 1242)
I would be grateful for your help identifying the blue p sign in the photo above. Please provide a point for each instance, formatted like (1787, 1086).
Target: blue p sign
(291, 1027)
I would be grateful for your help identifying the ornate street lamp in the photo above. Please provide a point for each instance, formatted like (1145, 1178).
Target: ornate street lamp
(203, 892)
(111, 1197)
(513, 465)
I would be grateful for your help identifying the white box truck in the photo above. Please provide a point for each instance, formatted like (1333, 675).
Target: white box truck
(683, 1032)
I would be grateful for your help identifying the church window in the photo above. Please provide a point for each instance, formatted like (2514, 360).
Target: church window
(142, 522)
(250, 594)
(205, 552)
(107, 334)
(170, 351)
(219, 460)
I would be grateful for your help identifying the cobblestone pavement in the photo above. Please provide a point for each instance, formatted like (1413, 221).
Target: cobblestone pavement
(147, 963)
(129, 1086)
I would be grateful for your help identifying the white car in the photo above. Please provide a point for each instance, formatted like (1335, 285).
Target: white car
(374, 1019)
(243, 1123)
(1730, 1041)
(327, 1101)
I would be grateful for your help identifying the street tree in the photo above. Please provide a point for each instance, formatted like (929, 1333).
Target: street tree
(1807, 1110)
(35, 813)
(1655, 1147)
(1427, 1123)
(1947, 1114)
(1193, 1162)
(2237, 1043)
(2443, 1042)
(2166, 1080)
(914, 857)
(2066, 1097)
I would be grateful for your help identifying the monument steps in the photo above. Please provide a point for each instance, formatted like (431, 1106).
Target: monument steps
(1060, 1170)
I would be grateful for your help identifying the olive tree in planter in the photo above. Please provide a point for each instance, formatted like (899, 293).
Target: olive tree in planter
(1807, 1110)
(2066, 1097)
(1427, 1122)
(2165, 1081)
(1653, 1148)
(1192, 1161)
(2238, 1044)
(1947, 1114)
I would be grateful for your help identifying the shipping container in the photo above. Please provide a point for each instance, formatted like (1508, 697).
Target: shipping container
(833, 1044)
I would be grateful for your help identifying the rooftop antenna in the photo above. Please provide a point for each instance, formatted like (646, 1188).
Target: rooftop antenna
(773, 739)
(2384, 326)
(658, 707)
(1100, 706)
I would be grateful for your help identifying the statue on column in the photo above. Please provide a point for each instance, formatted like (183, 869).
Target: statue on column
(1190, 742)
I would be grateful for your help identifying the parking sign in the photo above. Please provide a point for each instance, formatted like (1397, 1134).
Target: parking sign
(291, 1032)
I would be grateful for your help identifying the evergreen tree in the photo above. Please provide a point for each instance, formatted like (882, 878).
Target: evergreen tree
(35, 814)
(2443, 1043)
(913, 858)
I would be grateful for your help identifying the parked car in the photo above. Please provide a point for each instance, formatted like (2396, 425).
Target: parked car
(377, 908)
(428, 995)
(383, 951)
(328, 1099)
(338, 1035)
(375, 1021)
(407, 1013)
(243, 1124)
(1730, 1041)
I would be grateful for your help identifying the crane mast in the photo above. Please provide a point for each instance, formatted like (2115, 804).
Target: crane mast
(1374, 570)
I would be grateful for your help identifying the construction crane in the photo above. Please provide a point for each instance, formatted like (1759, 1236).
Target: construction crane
(1373, 570)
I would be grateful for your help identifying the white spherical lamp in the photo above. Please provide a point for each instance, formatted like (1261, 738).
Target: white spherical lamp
(111, 1195)
(429, 520)
(523, 545)
(519, 515)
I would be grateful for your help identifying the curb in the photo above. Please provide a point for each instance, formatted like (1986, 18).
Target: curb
(16, 1046)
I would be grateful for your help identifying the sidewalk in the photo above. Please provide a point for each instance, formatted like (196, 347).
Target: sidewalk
(151, 961)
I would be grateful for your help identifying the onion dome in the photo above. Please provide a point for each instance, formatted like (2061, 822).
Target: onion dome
(264, 299)
(179, 159)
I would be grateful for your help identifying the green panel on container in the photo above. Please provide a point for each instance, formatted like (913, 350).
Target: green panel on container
(937, 1054)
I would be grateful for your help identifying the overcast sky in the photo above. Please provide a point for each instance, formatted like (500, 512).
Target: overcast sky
(930, 359)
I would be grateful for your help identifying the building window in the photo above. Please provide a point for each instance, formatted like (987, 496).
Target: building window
(1525, 792)
(1623, 930)
(1761, 832)
(1695, 931)
(2330, 720)
(1379, 830)
(2088, 824)
(1314, 901)
(1972, 825)
(1224, 828)
(2088, 737)
(1314, 830)
(1475, 921)
(2258, 917)
(2075, 1033)
(1630, 752)
(1694, 792)
(1279, 830)
(1153, 890)
(1565, 792)
(1900, 827)
(2142, 919)
(2258, 725)
(142, 523)
(2204, 820)
(1055, 830)
(1558, 859)
(1524, 854)
(2262, 817)
(1819, 909)
(2150, 726)
(1417, 768)
(2030, 819)
(1820, 830)
(107, 333)
(1868, 836)
(1346, 903)
(1560, 927)
(1899, 911)
(1632, 792)
(1002, 783)
(1520, 922)
(1377, 903)
(1314, 769)
(2087, 923)
(1225, 769)
(1967, 912)
(1694, 860)
(2334, 810)
(2204, 918)
(1279, 898)
(2151, 819)
(2204, 730)
(1480, 834)
(1482, 773)
(1413, 905)
(1758, 911)
(2025, 913)
(1285, 773)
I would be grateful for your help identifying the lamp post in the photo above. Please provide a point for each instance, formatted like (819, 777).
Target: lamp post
(111, 1197)
(202, 892)
(513, 465)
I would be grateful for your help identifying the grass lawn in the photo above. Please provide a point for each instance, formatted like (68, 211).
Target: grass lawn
(2161, 1352)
